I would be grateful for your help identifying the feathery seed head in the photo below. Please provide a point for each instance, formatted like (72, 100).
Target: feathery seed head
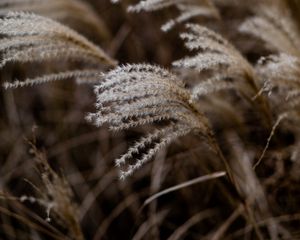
(216, 55)
(187, 9)
(28, 38)
(281, 72)
(141, 94)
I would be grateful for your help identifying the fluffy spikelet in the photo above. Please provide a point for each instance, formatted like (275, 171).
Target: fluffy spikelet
(281, 75)
(275, 26)
(149, 146)
(20, 24)
(78, 75)
(218, 56)
(75, 13)
(29, 38)
(211, 85)
(187, 9)
(136, 95)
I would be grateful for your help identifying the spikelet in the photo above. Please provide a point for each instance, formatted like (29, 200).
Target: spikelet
(29, 38)
(274, 24)
(141, 94)
(281, 75)
(229, 69)
(153, 5)
(188, 9)
(81, 76)
(75, 13)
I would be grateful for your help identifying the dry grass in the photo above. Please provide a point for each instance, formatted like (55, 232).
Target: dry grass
(220, 122)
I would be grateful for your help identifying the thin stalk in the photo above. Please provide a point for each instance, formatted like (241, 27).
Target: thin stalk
(232, 180)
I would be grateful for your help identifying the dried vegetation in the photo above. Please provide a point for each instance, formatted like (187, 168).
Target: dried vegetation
(221, 123)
